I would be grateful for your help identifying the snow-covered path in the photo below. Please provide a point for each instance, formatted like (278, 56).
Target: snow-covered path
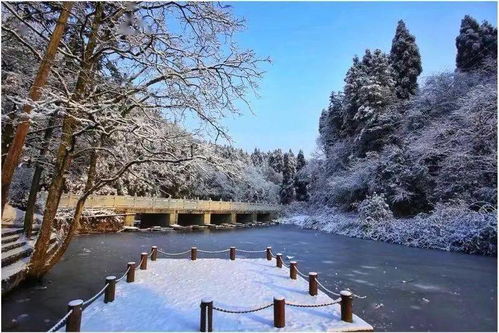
(167, 296)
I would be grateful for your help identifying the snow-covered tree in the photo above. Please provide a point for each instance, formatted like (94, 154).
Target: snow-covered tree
(476, 45)
(288, 174)
(300, 178)
(276, 160)
(406, 62)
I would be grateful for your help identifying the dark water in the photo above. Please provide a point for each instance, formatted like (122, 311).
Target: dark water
(406, 288)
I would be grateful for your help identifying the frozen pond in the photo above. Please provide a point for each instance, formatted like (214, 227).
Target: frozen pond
(406, 288)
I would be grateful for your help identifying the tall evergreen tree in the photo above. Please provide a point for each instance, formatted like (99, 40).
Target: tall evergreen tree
(276, 160)
(469, 45)
(288, 173)
(300, 183)
(406, 62)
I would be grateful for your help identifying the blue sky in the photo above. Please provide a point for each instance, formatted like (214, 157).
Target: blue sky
(311, 45)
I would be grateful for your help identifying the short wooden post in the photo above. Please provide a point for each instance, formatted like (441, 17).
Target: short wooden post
(269, 253)
(278, 260)
(292, 270)
(232, 253)
(206, 322)
(312, 283)
(194, 253)
(154, 251)
(346, 306)
(110, 290)
(279, 312)
(73, 322)
(143, 260)
(130, 276)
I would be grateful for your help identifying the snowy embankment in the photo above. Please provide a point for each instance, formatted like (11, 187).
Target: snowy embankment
(448, 229)
(167, 296)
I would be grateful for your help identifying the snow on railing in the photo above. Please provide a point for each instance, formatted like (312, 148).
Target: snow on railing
(126, 202)
(72, 319)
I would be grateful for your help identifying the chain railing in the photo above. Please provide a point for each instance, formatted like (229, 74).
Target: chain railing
(72, 318)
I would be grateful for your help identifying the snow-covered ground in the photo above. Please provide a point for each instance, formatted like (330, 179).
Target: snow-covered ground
(167, 296)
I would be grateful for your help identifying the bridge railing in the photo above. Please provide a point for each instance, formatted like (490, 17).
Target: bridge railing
(124, 202)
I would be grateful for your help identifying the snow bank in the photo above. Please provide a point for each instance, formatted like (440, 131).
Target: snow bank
(167, 296)
(447, 228)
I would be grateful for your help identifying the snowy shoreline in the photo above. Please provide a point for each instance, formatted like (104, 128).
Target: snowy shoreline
(450, 230)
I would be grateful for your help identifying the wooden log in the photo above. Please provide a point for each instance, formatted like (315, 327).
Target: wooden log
(130, 276)
(109, 293)
(346, 306)
(279, 312)
(73, 322)
(312, 283)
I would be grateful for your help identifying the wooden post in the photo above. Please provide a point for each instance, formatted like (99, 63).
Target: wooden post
(154, 251)
(278, 260)
(143, 261)
(73, 322)
(269, 253)
(206, 322)
(292, 270)
(346, 306)
(110, 290)
(130, 276)
(194, 252)
(279, 312)
(232, 253)
(312, 283)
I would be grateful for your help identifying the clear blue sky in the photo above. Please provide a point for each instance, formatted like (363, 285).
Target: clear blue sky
(311, 46)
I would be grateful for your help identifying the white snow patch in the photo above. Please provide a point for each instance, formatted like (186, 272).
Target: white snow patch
(166, 297)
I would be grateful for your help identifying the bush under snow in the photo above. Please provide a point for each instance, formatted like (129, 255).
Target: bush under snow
(448, 228)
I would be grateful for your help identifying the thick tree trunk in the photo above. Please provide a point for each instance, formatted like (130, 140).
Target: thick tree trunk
(16, 147)
(35, 182)
(75, 223)
(38, 263)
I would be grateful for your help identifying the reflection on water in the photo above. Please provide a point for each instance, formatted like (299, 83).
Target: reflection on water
(406, 288)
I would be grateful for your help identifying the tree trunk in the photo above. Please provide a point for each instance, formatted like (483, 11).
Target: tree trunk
(12, 159)
(75, 223)
(35, 182)
(63, 158)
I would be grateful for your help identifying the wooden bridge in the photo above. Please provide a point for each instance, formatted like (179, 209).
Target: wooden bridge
(165, 211)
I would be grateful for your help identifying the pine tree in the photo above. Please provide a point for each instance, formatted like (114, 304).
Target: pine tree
(375, 85)
(276, 160)
(406, 62)
(488, 35)
(300, 183)
(288, 173)
(469, 45)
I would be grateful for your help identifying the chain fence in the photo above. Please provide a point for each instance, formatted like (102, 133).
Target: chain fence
(336, 301)
(61, 322)
(244, 311)
(174, 254)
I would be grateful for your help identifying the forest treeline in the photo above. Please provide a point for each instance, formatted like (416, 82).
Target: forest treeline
(394, 146)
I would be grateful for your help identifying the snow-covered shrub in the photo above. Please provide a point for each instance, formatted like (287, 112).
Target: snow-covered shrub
(374, 208)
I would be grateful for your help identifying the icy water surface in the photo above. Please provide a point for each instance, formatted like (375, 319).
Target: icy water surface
(406, 288)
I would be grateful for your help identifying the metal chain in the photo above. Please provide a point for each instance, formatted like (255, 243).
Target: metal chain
(327, 290)
(300, 273)
(124, 274)
(174, 254)
(313, 305)
(140, 263)
(213, 252)
(244, 311)
(61, 322)
(92, 299)
(247, 251)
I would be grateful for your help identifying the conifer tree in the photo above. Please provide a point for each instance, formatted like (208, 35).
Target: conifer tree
(300, 183)
(469, 45)
(288, 173)
(276, 160)
(406, 62)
